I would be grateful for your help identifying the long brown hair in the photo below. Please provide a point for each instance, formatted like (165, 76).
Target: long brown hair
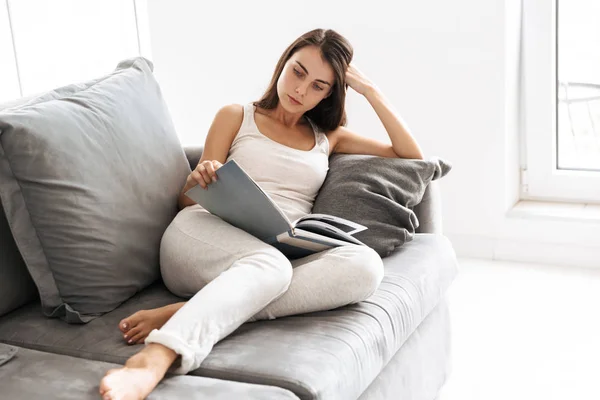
(330, 113)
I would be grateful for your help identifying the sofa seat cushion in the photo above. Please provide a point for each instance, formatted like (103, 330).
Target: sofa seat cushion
(324, 355)
(32, 374)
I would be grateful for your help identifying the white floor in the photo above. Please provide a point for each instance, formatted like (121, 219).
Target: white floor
(524, 331)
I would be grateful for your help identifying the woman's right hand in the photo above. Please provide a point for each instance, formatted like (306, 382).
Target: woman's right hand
(204, 174)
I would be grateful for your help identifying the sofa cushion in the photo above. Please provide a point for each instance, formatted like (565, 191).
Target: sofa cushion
(324, 355)
(89, 179)
(37, 375)
(422, 365)
(379, 193)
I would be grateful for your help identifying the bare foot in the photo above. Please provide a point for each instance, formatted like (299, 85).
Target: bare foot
(136, 327)
(140, 375)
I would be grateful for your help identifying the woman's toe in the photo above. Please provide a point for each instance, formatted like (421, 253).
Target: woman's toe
(131, 334)
(130, 322)
(139, 338)
(104, 387)
(124, 325)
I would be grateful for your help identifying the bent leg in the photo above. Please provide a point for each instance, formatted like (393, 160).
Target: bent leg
(230, 274)
(327, 280)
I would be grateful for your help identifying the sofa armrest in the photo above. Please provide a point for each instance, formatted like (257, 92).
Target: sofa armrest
(429, 210)
(193, 154)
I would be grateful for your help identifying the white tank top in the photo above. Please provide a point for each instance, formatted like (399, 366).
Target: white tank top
(291, 177)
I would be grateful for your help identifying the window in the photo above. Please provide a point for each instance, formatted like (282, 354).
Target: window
(561, 100)
(55, 43)
(9, 81)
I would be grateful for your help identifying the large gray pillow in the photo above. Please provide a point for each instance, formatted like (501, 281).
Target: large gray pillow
(379, 193)
(89, 179)
(16, 286)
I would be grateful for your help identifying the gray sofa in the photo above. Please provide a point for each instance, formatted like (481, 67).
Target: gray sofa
(395, 345)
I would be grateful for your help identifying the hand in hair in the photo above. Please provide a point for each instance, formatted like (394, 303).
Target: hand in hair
(357, 80)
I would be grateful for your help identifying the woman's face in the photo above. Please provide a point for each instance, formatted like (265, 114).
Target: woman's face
(306, 79)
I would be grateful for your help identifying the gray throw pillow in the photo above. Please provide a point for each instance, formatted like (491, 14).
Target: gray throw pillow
(378, 193)
(89, 179)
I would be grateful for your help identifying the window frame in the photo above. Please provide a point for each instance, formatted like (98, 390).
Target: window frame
(540, 177)
(142, 28)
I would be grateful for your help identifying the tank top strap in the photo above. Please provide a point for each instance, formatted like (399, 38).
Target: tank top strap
(248, 120)
(246, 128)
(320, 137)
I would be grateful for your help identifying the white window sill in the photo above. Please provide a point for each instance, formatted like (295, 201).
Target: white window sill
(569, 212)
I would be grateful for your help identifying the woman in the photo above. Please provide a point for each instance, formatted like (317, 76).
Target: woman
(230, 277)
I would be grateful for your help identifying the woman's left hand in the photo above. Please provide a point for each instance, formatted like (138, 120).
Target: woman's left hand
(357, 80)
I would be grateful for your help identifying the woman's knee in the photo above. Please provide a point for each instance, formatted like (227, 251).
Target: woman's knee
(197, 247)
(367, 268)
(276, 266)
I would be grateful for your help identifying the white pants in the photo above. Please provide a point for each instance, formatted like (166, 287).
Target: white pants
(231, 277)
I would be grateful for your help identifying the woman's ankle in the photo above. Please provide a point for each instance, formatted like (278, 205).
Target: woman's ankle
(154, 356)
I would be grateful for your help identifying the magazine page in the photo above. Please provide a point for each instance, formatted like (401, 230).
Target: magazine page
(237, 199)
(340, 223)
(324, 229)
(303, 243)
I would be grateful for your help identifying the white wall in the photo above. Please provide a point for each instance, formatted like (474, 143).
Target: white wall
(450, 69)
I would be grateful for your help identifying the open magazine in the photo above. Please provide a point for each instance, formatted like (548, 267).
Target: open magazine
(237, 199)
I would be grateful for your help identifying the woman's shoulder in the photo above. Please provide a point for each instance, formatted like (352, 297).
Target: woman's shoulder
(231, 111)
(229, 118)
